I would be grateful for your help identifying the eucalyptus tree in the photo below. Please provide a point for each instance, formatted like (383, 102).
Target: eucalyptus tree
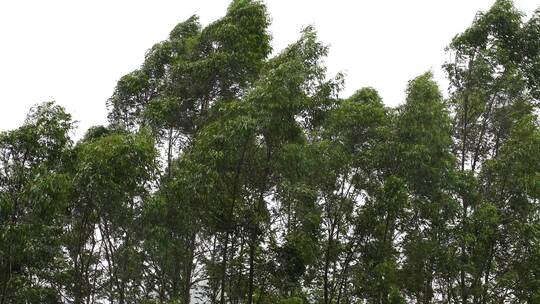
(274, 189)
(173, 93)
(426, 165)
(183, 76)
(292, 87)
(112, 175)
(34, 190)
(171, 224)
(490, 81)
(241, 149)
(511, 219)
(345, 152)
(494, 85)
(375, 277)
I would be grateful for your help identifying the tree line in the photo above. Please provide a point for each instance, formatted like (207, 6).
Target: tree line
(228, 175)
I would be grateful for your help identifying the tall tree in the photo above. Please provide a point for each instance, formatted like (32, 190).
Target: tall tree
(231, 176)
(427, 167)
(33, 194)
(493, 86)
(113, 172)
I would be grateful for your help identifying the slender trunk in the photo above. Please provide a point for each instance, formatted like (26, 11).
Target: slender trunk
(251, 268)
(344, 276)
(215, 286)
(464, 149)
(260, 205)
(8, 278)
(224, 267)
(488, 272)
(464, 215)
(383, 293)
(111, 263)
(428, 293)
(188, 270)
(463, 256)
(169, 153)
(327, 262)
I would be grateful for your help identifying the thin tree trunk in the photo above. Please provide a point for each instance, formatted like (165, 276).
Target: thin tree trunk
(251, 269)
(224, 267)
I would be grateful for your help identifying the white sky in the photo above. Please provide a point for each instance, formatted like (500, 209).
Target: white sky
(75, 51)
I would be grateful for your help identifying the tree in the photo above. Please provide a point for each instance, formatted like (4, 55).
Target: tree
(111, 177)
(426, 165)
(33, 194)
(229, 175)
(493, 87)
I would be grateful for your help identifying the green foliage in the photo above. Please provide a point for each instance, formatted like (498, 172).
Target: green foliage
(227, 176)
(34, 191)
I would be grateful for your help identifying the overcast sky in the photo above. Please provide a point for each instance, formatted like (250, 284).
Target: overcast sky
(73, 52)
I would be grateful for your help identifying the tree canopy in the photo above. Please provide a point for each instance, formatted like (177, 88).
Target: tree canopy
(230, 175)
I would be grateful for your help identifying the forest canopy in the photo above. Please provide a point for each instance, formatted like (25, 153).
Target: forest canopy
(227, 174)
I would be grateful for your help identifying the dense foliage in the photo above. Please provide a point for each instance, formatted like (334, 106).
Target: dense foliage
(230, 176)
